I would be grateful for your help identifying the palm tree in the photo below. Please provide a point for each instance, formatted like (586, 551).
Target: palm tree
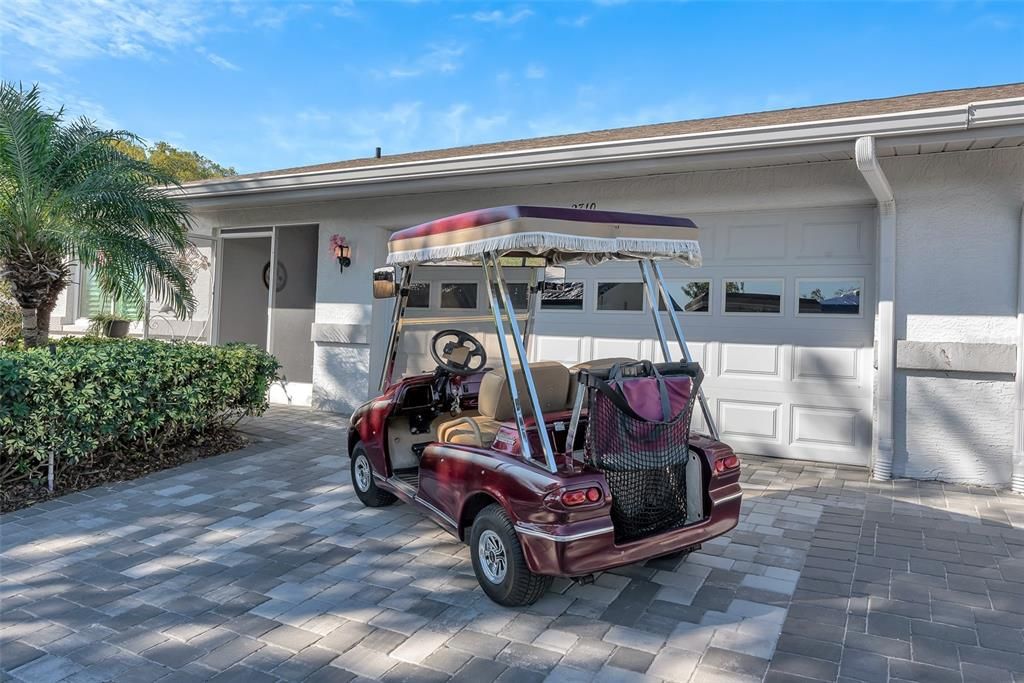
(68, 192)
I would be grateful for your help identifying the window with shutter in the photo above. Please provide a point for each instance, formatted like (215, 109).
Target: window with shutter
(97, 302)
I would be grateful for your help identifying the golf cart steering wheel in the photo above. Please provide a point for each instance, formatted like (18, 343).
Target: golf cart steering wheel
(457, 352)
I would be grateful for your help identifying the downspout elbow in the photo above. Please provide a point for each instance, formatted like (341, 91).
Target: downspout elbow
(867, 163)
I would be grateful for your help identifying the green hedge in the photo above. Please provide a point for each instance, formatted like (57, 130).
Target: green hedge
(89, 397)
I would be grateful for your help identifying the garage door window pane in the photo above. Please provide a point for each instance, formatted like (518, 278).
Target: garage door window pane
(689, 296)
(458, 295)
(562, 296)
(620, 296)
(419, 295)
(753, 296)
(519, 292)
(829, 296)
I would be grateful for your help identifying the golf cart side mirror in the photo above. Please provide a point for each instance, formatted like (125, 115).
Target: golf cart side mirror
(554, 276)
(385, 284)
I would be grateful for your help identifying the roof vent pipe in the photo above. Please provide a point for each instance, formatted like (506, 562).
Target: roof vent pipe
(376, 154)
(867, 164)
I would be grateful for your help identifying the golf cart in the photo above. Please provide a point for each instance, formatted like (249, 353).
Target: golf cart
(545, 470)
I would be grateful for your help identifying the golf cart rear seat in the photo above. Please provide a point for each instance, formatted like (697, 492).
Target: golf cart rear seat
(552, 381)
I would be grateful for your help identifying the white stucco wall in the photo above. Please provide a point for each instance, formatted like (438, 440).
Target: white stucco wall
(957, 235)
(341, 380)
(958, 219)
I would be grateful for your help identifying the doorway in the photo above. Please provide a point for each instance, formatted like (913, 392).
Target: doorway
(272, 307)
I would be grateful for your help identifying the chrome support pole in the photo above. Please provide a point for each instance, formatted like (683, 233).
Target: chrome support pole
(574, 421)
(532, 302)
(397, 317)
(506, 361)
(652, 297)
(709, 420)
(524, 363)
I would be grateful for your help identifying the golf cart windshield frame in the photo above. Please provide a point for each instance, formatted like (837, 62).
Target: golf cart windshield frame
(504, 313)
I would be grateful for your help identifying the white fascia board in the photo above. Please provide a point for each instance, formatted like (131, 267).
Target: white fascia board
(761, 137)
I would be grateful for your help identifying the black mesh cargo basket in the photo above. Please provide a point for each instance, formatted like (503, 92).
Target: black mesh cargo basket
(643, 459)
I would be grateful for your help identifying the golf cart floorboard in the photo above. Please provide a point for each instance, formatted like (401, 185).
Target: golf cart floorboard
(409, 477)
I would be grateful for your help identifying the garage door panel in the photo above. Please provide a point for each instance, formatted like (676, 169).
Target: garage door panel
(827, 241)
(762, 361)
(618, 348)
(815, 425)
(826, 364)
(756, 419)
(698, 352)
(563, 349)
(753, 242)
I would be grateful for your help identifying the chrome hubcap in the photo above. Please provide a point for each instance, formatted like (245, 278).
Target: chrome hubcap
(363, 473)
(493, 560)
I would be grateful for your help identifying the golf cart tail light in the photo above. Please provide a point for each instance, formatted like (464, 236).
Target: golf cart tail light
(571, 498)
(730, 462)
(581, 496)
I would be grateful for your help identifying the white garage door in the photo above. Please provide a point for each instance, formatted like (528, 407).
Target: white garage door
(780, 317)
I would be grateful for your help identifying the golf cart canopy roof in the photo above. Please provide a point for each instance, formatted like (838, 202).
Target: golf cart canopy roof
(559, 235)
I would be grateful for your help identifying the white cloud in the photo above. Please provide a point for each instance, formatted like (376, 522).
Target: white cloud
(439, 58)
(344, 8)
(459, 126)
(535, 71)
(315, 135)
(217, 60)
(992, 22)
(83, 29)
(500, 17)
(575, 22)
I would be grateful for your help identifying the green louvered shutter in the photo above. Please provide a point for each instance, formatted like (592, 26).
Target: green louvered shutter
(97, 303)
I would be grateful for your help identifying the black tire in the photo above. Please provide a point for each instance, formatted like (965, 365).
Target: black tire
(518, 586)
(366, 488)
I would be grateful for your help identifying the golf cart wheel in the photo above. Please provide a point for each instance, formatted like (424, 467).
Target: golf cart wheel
(498, 561)
(362, 480)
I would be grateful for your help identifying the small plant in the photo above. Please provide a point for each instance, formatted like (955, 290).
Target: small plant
(108, 325)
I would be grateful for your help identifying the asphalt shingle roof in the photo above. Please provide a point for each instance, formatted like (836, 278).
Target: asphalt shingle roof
(888, 105)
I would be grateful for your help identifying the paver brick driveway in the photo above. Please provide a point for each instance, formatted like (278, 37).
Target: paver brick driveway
(262, 565)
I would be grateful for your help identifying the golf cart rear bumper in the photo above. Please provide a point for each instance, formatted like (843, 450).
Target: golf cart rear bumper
(588, 547)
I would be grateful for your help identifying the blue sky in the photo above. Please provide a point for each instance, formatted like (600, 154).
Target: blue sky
(261, 85)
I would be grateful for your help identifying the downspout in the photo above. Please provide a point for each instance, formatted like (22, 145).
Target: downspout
(1017, 476)
(867, 164)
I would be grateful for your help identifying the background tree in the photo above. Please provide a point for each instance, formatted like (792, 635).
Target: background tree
(182, 165)
(69, 192)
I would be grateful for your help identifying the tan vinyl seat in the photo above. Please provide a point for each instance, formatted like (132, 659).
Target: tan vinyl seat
(549, 377)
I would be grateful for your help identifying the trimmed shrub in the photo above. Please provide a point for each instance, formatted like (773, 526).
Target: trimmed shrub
(94, 399)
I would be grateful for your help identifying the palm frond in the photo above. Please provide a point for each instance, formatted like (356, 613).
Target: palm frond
(68, 191)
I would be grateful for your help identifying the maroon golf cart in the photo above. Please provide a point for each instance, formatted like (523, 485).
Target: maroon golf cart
(545, 470)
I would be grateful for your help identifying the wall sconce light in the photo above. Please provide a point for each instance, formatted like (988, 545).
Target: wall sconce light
(341, 251)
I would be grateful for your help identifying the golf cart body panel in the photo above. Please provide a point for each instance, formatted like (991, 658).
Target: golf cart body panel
(508, 455)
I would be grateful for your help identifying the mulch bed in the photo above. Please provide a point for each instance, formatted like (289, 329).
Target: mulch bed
(118, 467)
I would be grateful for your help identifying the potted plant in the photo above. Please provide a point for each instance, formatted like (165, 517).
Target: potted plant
(109, 325)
